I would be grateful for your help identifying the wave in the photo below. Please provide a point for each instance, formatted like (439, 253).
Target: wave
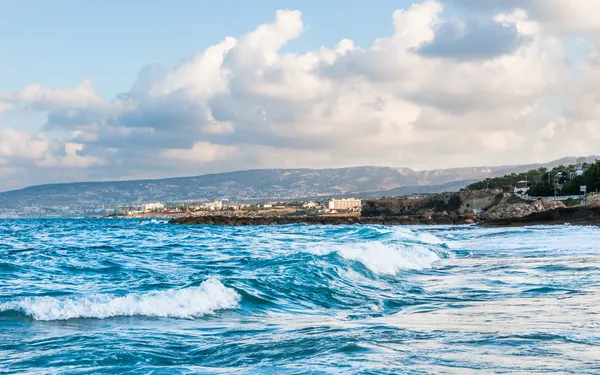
(152, 221)
(190, 302)
(158, 221)
(406, 234)
(384, 258)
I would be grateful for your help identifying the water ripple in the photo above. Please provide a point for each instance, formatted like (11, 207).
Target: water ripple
(113, 296)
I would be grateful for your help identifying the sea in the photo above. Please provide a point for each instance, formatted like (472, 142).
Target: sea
(115, 296)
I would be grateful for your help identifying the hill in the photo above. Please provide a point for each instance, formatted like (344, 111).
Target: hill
(88, 198)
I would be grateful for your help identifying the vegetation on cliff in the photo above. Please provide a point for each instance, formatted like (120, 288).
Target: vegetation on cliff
(542, 180)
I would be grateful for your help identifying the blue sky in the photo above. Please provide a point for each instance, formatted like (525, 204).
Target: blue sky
(236, 85)
(60, 43)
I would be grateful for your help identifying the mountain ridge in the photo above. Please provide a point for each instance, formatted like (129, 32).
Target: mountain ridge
(277, 184)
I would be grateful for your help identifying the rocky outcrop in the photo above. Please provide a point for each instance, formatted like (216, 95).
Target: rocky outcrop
(591, 201)
(564, 215)
(322, 220)
(485, 204)
(464, 202)
(391, 207)
(561, 215)
(509, 207)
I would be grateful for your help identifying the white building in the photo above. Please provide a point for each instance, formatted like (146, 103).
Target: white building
(152, 207)
(580, 162)
(214, 206)
(344, 204)
(521, 187)
(310, 204)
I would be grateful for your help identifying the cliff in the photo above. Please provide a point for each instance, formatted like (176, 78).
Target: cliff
(453, 204)
(477, 205)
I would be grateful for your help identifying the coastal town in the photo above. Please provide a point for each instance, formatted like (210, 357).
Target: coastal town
(224, 207)
(492, 200)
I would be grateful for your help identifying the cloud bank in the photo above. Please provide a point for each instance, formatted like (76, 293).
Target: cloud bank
(496, 86)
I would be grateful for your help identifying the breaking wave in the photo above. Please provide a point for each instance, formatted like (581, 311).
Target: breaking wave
(406, 234)
(296, 298)
(385, 258)
(190, 302)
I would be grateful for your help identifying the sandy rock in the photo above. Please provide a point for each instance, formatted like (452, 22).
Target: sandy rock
(505, 209)
(591, 201)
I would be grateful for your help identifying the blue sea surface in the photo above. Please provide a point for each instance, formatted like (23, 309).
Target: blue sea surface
(111, 296)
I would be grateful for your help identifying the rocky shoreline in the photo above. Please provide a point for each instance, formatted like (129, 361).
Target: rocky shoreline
(490, 208)
(321, 220)
(558, 216)
(566, 215)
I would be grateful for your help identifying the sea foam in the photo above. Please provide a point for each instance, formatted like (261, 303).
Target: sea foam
(385, 258)
(190, 302)
(406, 234)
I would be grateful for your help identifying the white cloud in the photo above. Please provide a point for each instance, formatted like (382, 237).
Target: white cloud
(415, 98)
(42, 98)
(201, 152)
(557, 16)
(415, 26)
(202, 77)
(569, 15)
(21, 145)
(71, 158)
(520, 20)
(24, 148)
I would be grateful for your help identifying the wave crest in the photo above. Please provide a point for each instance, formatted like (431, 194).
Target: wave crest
(385, 258)
(406, 234)
(190, 302)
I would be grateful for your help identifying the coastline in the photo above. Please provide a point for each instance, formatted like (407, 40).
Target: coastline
(488, 208)
(320, 220)
(558, 216)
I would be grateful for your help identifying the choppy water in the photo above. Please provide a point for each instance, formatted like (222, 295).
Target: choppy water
(112, 296)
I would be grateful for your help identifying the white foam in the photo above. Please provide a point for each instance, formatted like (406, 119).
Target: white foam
(151, 221)
(429, 238)
(403, 234)
(385, 258)
(190, 302)
(381, 258)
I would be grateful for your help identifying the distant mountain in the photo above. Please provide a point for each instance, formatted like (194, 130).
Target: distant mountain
(87, 198)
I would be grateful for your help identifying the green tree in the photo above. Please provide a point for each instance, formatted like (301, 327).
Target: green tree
(541, 189)
(541, 180)
(572, 187)
(591, 176)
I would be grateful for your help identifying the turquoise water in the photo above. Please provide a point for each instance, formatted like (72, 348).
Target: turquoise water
(111, 296)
